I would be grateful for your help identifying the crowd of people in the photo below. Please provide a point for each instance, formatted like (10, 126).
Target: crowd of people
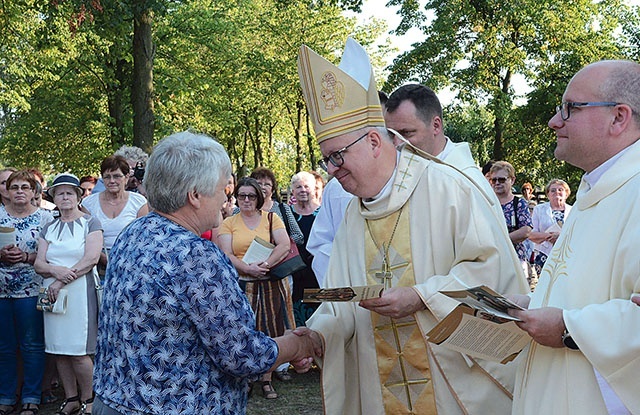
(152, 289)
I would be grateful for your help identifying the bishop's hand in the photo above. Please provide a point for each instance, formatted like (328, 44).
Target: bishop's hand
(396, 302)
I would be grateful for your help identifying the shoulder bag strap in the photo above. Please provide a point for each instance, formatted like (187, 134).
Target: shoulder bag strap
(516, 201)
(285, 218)
(270, 216)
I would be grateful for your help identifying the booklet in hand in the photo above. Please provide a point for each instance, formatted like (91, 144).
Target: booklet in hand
(481, 326)
(318, 295)
(258, 251)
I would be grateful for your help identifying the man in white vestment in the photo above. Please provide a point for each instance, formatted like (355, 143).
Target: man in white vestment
(417, 226)
(415, 112)
(585, 358)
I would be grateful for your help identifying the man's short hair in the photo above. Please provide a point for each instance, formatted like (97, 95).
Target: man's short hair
(623, 85)
(181, 163)
(423, 98)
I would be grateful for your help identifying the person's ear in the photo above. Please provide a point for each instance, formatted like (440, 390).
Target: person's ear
(623, 115)
(375, 142)
(193, 198)
(437, 125)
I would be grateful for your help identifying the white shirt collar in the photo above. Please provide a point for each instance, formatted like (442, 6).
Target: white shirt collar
(592, 177)
(386, 190)
(448, 148)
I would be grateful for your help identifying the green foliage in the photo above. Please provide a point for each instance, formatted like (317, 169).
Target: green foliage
(227, 69)
(477, 47)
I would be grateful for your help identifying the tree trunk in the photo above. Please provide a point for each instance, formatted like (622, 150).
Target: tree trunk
(115, 94)
(502, 109)
(142, 88)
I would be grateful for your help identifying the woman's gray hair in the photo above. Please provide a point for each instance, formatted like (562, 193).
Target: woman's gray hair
(181, 163)
(132, 153)
(303, 175)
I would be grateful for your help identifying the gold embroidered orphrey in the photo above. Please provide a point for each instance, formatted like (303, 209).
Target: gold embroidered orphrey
(333, 91)
(401, 351)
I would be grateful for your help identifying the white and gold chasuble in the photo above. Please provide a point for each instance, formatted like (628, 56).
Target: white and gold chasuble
(400, 347)
(447, 235)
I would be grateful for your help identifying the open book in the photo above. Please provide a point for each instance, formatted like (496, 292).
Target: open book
(481, 326)
(258, 251)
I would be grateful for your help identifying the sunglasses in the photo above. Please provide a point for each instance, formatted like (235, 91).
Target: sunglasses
(500, 180)
(250, 196)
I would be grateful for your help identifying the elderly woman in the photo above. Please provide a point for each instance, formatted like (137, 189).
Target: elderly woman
(305, 210)
(269, 299)
(21, 323)
(548, 219)
(515, 209)
(115, 207)
(68, 251)
(172, 309)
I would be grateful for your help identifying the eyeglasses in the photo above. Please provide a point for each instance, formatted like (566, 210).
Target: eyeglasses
(565, 108)
(336, 157)
(24, 188)
(265, 184)
(500, 180)
(108, 177)
(250, 196)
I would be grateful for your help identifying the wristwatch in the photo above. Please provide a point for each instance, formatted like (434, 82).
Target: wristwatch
(568, 341)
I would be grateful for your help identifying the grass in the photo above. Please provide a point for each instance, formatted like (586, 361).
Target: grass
(301, 396)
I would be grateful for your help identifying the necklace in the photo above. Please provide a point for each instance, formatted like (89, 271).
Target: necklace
(385, 273)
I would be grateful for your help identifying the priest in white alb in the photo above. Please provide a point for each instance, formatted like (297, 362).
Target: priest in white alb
(417, 226)
(585, 358)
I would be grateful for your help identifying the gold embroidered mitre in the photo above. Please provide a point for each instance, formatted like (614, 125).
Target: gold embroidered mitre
(341, 98)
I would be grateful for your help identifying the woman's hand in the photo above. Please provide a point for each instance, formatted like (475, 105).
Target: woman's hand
(11, 254)
(54, 290)
(553, 237)
(63, 274)
(257, 270)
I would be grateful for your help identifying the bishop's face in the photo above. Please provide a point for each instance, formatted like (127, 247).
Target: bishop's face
(355, 163)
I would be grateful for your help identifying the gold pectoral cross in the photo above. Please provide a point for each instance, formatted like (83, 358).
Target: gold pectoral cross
(386, 272)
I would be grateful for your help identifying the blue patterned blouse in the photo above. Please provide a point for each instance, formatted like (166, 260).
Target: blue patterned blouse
(176, 334)
(21, 280)
(524, 219)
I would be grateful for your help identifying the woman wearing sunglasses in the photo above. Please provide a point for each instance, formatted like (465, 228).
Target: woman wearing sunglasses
(268, 298)
(515, 209)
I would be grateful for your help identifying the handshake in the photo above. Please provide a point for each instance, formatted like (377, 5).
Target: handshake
(299, 347)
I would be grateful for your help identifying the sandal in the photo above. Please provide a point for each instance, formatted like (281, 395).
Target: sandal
(8, 409)
(283, 375)
(29, 409)
(83, 408)
(267, 390)
(63, 407)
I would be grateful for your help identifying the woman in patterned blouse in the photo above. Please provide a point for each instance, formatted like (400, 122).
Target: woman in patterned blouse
(21, 324)
(176, 335)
